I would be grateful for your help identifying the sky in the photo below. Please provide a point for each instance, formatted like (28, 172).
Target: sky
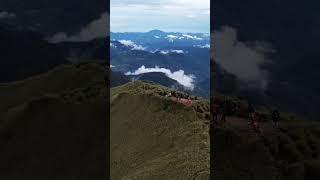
(167, 15)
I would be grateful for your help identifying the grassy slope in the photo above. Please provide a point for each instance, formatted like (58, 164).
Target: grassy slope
(156, 138)
(52, 126)
(58, 80)
(290, 153)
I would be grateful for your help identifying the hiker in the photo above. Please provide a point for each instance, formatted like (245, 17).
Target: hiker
(253, 122)
(253, 118)
(234, 108)
(189, 100)
(173, 93)
(224, 111)
(251, 111)
(179, 96)
(275, 118)
(215, 112)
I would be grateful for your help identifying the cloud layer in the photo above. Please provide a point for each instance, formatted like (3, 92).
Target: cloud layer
(186, 80)
(131, 44)
(239, 58)
(202, 46)
(98, 28)
(172, 51)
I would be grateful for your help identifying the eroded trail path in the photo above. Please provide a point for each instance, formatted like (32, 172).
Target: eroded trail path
(186, 102)
(241, 125)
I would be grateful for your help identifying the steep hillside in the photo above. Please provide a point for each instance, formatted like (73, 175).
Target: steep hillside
(52, 126)
(159, 78)
(55, 81)
(157, 137)
(290, 152)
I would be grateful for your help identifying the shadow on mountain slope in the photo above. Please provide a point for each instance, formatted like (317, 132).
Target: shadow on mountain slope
(53, 126)
(291, 152)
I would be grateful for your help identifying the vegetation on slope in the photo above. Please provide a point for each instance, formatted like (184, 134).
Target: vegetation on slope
(291, 152)
(52, 126)
(154, 137)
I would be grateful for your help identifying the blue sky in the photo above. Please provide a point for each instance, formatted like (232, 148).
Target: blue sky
(166, 15)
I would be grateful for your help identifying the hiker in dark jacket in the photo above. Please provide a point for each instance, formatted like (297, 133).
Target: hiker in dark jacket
(275, 118)
(215, 112)
(224, 111)
(251, 111)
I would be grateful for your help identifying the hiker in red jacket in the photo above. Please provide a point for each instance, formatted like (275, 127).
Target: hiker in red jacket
(253, 118)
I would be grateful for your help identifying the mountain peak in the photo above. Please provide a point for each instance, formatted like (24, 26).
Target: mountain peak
(156, 32)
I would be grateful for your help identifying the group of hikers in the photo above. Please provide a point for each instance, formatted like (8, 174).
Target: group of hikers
(179, 96)
(228, 108)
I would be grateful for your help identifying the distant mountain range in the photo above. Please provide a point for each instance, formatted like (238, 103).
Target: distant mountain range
(174, 55)
(156, 39)
(158, 77)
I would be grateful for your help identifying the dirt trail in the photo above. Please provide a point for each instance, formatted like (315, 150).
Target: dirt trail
(241, 125)
(186, 102)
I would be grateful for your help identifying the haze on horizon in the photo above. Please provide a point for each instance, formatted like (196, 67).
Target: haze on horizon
(185, 16)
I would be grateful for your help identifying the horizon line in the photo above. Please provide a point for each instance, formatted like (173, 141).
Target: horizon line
(146, 31)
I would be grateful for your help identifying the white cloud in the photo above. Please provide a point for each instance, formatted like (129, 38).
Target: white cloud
(112, 66)
(96, 29)
(170, 51)
(169, 4)
(239, 58)
(131, 44)
(186, 80)
(202, 46)
(6, 15)
(178, 51)
(164, 52)
(191, 37)
(171, 37)
(112, 45)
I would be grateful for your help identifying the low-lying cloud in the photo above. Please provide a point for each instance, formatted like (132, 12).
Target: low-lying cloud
(239, 58)
(113, 45)
(98, 28)
(171, 38)
(132, 45)
(172, 51)
(191, 37)
(202, 46)
(187, 80)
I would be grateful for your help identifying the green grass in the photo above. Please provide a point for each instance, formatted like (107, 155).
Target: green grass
(56, 81)
(156, 138)
(53, 125)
